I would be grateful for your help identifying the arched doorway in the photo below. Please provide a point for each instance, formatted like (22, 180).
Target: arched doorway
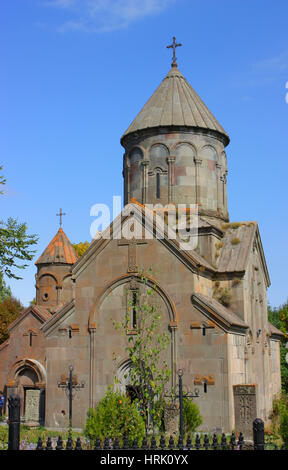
(29, 377)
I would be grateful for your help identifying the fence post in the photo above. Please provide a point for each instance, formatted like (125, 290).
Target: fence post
(14, 422)
(258, 434)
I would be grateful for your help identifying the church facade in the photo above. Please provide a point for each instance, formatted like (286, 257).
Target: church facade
(212, 299)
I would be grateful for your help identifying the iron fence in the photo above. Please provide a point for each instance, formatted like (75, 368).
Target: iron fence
(199, 442)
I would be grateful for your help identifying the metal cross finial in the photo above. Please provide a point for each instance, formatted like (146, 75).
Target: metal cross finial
(173, 46)
(60, 215)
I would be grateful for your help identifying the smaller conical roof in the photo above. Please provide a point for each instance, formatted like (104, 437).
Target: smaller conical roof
(175, 103)
(59, 250)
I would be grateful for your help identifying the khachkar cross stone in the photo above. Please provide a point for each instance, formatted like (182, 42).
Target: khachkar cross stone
(132, 252)
(60, 215)
(173, 46)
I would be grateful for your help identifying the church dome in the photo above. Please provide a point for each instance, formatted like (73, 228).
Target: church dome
(59, 250)
(53, 278)
(175, 103)
(175, 151)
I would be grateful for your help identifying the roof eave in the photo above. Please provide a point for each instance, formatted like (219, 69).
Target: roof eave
(133, 135)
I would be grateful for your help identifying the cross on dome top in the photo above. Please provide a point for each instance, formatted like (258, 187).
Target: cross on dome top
(173, 46)
(60, 215)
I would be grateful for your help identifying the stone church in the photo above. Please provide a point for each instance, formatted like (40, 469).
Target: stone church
(212, 299)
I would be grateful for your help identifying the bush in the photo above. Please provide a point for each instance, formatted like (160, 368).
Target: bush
(279, 417)
(283, 429)
(114, 416)
(191, 416)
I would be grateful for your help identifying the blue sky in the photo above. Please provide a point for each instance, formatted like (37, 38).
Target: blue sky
(74, 74)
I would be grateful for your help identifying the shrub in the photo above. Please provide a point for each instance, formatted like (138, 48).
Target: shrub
(279, 416)
(223, 295)
(114, 416)
(219, 245)
(233, 225)
(191, 416)
(283, 429)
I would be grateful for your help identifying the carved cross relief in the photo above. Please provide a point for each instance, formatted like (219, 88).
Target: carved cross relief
(132, 252)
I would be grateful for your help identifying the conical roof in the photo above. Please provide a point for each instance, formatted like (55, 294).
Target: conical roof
(59, 250)
(175, 103)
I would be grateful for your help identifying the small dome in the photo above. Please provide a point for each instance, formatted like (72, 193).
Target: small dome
(59, 250)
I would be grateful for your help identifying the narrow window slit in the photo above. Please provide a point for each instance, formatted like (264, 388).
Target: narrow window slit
(134, 310)
(157, 185)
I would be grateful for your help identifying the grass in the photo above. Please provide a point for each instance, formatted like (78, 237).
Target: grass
(29, 437)
(233, 225)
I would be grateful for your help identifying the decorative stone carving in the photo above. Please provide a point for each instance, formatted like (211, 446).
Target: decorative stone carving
(32, 406)
(245, 408)
(171, 418)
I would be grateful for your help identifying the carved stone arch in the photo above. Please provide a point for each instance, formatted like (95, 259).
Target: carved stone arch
(48, 273)
(47, 287)
(136, 148)
(157, 169)
(160, 145)
(28, 378)
(171, 308)
(28, 363)
(185, 143)
(213, 150)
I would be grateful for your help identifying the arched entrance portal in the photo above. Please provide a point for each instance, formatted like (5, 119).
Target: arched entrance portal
(29, 377)
(123, 382)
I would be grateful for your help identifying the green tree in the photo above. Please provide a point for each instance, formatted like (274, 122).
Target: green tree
(279, 318)
(5, 290)
(15, 246)
(9, 311)
(149, 372)
(15, 250)
(81, 247)
(2, 180)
